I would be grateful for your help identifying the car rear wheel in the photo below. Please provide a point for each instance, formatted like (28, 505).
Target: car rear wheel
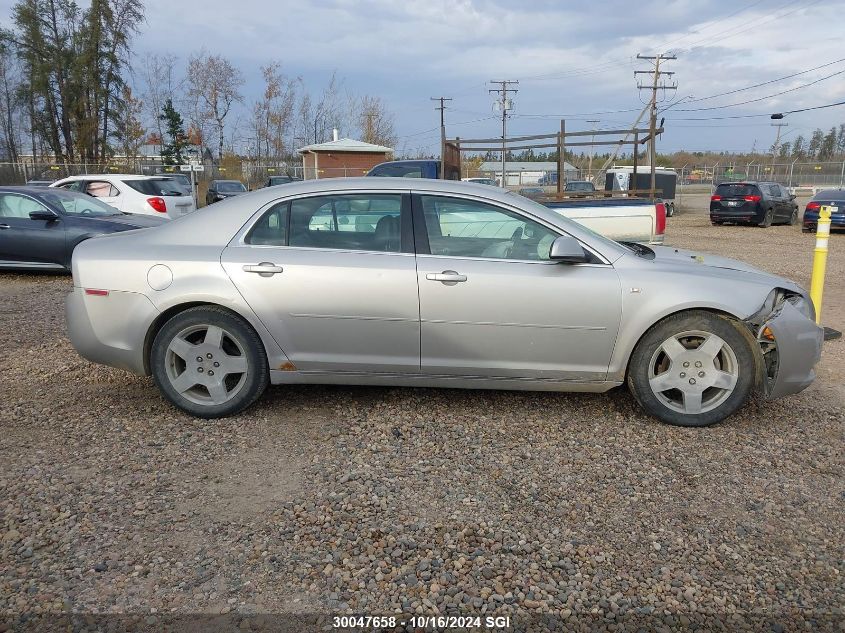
(692, 369)
(209, 362)
(793, 219)
(767, 219)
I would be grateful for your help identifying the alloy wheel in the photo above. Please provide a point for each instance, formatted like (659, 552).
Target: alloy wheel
(693, 372)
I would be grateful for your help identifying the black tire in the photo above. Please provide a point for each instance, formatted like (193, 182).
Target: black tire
(670, 210)
(725, 402)
(793, 219)
(767, 219)
(240, 388)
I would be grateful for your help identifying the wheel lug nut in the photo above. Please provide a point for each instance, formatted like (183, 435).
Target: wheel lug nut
(698, 364)
(701, 374)
(686, 364)
(210, 372)
(683, 374)
(209, 356)
(200, 369)
(199, 359)
(216, 364)
(691, 381)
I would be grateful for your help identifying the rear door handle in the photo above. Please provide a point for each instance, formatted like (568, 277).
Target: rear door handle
(3, 227)
(446, 277)
(265, 269)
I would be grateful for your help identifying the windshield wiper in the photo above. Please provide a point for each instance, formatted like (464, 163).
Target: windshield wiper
(640, 250)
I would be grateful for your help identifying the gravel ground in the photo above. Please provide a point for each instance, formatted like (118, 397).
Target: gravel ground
(323, 500)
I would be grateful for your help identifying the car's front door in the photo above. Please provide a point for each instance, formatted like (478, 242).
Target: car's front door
(492, 304)
(24, 240)
(105, 192)
(333, 277)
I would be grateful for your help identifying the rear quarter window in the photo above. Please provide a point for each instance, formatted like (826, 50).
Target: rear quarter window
(157, 187)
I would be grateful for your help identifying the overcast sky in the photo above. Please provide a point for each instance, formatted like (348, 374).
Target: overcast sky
(573, 59)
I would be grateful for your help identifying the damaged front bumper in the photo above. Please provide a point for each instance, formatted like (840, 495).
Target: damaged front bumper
(790, 343)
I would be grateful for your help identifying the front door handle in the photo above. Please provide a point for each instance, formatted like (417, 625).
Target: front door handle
(265, 269)
(449, 277)
(3, 227)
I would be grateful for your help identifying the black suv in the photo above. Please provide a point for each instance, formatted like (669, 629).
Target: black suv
(760, 203)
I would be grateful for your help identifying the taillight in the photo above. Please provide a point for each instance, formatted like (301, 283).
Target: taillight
(157, 204)
(814, 206)
(660, 215)
(96, 292)
(715, 198)
(752, 198)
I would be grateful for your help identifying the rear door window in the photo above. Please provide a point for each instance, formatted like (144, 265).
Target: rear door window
(370, 222)
(736, 191)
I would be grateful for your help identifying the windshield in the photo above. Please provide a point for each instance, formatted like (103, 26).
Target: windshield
(230, 186)
(157, 187)
(737, 191)
(78, 203)
(279, 180)
(580, 186)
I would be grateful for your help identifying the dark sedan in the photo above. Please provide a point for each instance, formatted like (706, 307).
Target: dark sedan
(274, 181)
(222, 189)
(40, 227)
(827, 198)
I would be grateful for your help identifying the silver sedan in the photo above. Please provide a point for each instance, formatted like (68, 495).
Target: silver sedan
(393, 281)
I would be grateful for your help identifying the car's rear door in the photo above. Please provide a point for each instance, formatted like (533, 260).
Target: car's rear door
(493, 305)
(333, 277)
(27, 241)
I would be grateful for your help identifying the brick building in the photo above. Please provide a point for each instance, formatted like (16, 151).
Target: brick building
(342, 157)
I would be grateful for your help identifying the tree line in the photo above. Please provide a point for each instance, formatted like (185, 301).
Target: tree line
(69, 92)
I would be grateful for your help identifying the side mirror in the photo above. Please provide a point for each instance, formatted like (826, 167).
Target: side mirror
(44, 214)
(792, 196)
(567, 250)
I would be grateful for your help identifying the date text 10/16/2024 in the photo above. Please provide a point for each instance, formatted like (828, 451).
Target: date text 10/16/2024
(437, 622)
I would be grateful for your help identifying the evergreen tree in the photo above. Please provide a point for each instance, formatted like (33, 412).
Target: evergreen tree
(177, 140)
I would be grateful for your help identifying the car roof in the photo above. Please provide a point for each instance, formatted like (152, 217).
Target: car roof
(23, 189)
(220, 221)
(108, 177)
(838, 193)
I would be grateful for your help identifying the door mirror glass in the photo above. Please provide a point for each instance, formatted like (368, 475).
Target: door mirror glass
(43, 214)
(567, 250)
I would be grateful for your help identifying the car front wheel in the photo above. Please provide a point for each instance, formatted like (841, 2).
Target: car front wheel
(693, 369)
(209, 362)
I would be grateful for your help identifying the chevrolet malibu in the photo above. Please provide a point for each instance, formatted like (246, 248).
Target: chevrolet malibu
(389, 281)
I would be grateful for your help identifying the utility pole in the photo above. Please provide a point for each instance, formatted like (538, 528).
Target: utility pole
(592, 147)
(656, 85)
(776, 146)
(442, 108)
(504, 104)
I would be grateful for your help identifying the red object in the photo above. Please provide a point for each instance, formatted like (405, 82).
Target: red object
(96, 292)
(660, 214)
(715, 198)
(752, 198)
(157, 204)
(814, 206)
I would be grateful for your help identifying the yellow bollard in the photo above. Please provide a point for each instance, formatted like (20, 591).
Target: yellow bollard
(820, 260)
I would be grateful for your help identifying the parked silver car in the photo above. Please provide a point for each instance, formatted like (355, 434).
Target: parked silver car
(388, 281)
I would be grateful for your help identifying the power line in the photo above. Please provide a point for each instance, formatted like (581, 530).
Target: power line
(763, 83)
(752, 116)
(776, 94)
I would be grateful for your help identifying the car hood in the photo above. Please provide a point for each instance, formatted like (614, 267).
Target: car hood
(718, 266)
(124, 222)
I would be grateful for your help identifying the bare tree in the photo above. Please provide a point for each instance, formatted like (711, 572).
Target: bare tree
(11, 121)
(160, 83)
(214, 85)
(130, 130)
(272, 115)
(316, 117)
(374, 121)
